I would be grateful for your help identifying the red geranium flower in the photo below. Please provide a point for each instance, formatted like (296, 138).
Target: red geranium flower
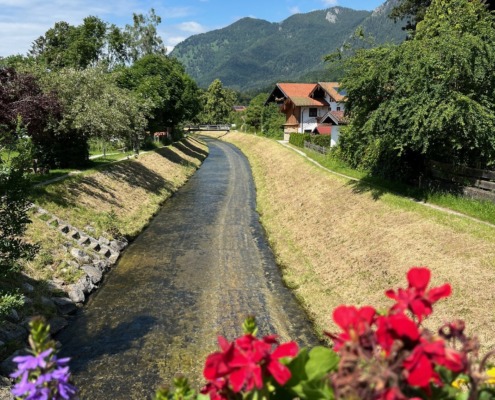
(420, 364)
(415, 298)
(396, 327)
(244, 362)
(355, 322)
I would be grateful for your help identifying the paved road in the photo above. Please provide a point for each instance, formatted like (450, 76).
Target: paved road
(197, 271)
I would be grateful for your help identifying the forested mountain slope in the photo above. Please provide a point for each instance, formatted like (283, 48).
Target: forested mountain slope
(253, 53)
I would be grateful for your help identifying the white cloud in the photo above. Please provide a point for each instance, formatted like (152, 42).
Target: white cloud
(294, 10)
(191, 27)
(330, 3)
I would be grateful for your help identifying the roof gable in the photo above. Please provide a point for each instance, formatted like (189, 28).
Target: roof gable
(334, 91)
(298, 93)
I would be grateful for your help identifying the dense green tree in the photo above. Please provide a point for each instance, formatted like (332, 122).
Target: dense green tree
(15, 159)
(95, 107)
(217, 104)
(266, 119)
(162, 82)
(432, 97)
(413, 11)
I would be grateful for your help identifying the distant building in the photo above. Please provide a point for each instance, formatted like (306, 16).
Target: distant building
(310, 108)
(239, 108)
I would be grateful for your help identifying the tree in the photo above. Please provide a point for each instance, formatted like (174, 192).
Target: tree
(21, 97)
(172, 96)
(94, 106)
(218, 103)
(14, 188)
(414, 11)
(432, 97)
(143, 35)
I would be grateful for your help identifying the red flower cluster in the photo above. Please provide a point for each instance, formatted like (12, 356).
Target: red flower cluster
(395, 340)
(244, 364)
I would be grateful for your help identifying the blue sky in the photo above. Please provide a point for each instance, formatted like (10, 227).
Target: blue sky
(22, 21)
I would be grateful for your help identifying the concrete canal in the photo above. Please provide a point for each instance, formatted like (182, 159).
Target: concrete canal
(196, 272)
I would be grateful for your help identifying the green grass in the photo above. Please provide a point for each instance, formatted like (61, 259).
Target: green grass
(483, 210)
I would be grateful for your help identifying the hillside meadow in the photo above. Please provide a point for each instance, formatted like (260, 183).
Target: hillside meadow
(338, 242)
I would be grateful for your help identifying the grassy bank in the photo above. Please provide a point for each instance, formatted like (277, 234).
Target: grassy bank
(343, 242)
(116, 199)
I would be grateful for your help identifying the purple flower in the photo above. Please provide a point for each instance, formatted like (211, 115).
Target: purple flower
(30, 363)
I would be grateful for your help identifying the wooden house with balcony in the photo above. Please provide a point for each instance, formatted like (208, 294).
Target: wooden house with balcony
(306, 105)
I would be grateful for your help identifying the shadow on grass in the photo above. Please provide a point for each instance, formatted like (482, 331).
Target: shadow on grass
(171, 155)
(378, 187)
(191, 145)
(189, 150)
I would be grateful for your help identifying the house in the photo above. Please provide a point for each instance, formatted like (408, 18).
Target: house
(308, 105)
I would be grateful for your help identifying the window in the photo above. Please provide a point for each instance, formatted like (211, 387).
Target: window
(338, 108)
(313, 112)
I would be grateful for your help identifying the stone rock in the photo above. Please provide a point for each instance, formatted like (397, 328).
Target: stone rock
(113, 258)
(118, 245)
(76, 294)
(104, 241)
(80, 256)
(8, 365)
(1, 344)
(64, 305)
(10, 331)
(89, 228)
(102, 265)
(85, 284)
(27, 301)
(28, 288)
(56, 284)
(95, 245)
(94, 273)
(105, 251)
(47, 303)
(57, 324)
(5, 389)
(14, 316)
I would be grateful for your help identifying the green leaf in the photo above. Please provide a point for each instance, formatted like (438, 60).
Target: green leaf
(322, 360)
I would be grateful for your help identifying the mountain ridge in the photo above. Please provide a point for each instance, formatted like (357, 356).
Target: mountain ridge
(253, 53)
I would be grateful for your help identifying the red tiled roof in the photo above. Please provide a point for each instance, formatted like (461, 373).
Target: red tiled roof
(339, 116)
(299, 93)
(332, 88)
(323, 129)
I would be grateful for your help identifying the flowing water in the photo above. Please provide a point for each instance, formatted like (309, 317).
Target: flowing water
(196, 272)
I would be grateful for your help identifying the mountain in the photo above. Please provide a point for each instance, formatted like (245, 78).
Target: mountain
(253, 53)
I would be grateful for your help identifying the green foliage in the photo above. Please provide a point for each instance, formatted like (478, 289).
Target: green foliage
(14, 188)
(217, 104)
(266, 119)
(429, 98)
(8, 302)
(97, 42)
(95, 107)
(169, 94)
(298, 139)
(253, 53)
(321, 140)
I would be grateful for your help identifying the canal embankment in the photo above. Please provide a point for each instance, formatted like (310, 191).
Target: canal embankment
(339, 241)
(82, 224)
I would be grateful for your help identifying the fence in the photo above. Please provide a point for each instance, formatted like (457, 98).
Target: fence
(221, 127)
(315, 147)
(473, 182)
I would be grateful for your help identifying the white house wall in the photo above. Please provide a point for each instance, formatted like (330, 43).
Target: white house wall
(309, 123)
(335, 135)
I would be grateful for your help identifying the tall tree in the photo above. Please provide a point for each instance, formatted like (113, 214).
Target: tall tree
(143, 34)
(414, 11)
(432, 97)
(94, 106)
(218, 103)
(171, 94)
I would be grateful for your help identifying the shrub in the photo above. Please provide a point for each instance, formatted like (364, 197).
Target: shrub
(297, 139)
(321, 140)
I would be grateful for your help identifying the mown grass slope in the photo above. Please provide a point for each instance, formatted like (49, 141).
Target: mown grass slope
(340, 242)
